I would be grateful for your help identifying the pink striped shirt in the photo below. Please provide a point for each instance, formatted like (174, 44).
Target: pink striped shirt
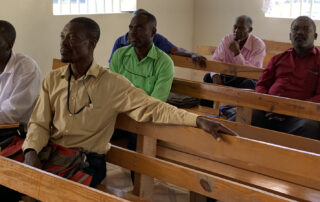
(252, 53)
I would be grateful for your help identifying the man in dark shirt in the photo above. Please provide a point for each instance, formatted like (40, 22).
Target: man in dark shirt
(293, 74)
(161, 42)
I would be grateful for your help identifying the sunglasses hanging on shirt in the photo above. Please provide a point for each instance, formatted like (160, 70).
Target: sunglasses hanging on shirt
(68, 98)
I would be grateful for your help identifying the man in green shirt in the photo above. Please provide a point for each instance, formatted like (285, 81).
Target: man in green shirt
(145, 65)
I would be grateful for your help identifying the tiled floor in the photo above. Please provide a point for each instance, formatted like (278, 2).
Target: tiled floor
(119, 178)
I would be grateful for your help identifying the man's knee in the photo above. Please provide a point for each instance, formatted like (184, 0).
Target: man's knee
(307, 128)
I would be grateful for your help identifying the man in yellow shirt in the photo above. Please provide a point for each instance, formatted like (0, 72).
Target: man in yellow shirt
(79, 103)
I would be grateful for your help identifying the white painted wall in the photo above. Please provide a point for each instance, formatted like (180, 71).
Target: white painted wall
(38, 31)
(214, 18)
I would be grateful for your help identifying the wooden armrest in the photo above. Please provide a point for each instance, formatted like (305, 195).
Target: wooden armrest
(9, 125)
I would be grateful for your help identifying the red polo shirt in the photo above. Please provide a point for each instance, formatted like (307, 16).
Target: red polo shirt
(288, 75)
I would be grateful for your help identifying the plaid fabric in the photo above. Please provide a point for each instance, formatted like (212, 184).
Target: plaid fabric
(65, 162)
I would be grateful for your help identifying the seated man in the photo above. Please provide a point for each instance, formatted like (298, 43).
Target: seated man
(19, 88)
(162, 43)
(79, 104)
(293, 74)
(142, 63)
(19, 80)
(240, 48)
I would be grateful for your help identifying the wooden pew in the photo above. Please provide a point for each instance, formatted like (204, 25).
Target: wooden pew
(45, 186)
(252, 166)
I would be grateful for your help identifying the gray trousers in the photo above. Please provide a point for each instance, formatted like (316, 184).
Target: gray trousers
(292, 125)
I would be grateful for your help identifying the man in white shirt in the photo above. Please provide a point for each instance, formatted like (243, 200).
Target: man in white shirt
(19, 80)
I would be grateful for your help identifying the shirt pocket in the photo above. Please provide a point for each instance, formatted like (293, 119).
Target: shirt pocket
(150, 84)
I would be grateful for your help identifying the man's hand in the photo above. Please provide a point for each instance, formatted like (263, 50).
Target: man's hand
(274, 116)
(216, 79)
(199, 60)
(31, 158)
(214, 128)
(234, 47)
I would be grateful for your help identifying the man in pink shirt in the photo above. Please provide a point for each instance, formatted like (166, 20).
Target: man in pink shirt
(295, 73)
(242, 48)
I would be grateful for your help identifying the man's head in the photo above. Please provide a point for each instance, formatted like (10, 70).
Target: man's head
(303, 33)
(142, 28)
(242, 27)
(7, 38)
(78, 39)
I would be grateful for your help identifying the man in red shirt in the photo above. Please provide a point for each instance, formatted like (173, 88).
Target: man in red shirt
(293, 74)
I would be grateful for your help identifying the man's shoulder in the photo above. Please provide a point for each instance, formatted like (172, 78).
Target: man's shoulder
(25, 64)
(257, 40)
(123, 50)
(162, 56)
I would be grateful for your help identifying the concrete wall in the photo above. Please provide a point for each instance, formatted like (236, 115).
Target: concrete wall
(38, 31)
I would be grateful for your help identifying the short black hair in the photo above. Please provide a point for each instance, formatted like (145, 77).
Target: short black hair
(305, 18)
(8, 31)
(247, 19)
(151, 18)
(93, 29)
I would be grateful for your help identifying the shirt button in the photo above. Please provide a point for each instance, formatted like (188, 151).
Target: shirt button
(70, 115)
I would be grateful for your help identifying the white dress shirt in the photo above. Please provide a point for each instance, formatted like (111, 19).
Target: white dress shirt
(19, 89)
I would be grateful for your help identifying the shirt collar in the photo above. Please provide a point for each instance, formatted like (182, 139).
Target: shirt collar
(9, 69)
(248, 44)
(313, 51)
(151, 54)
(93, 71)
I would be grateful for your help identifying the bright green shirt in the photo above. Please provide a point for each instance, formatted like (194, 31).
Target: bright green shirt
(153, 74)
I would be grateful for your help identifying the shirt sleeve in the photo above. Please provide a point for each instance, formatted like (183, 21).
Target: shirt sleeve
(219, 54)
(267, 78)
(164, 80)
(143, 108)
(23, 96)
(116, 45)
(40, 122)
(162, 43)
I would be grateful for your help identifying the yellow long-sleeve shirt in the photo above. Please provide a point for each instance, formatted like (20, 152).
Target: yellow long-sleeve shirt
(92, 128)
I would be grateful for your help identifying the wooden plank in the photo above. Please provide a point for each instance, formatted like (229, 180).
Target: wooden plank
(190, 179)
(271, 136)
(244, 115)
(206, 50)
(219, 67)
(9, 125)
(239, 97)
(273, 160)
(143, 185)
(121, 194)
(45, 186)
(276, 47)
(272, 185)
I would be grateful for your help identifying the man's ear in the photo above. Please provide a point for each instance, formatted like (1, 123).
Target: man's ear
(93, 43)
(154, 31)
(315, 36)
(250, 29)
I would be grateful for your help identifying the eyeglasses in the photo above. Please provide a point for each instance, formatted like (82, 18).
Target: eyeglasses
(68, 98)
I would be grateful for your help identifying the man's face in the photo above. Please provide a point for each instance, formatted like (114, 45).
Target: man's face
(241, 29)
(302, 34)
(141, 32)
(74, 44)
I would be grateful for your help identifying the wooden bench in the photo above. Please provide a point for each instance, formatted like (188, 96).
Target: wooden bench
(236, 169)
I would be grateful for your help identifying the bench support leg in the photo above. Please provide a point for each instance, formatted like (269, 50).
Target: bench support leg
(143, 185)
